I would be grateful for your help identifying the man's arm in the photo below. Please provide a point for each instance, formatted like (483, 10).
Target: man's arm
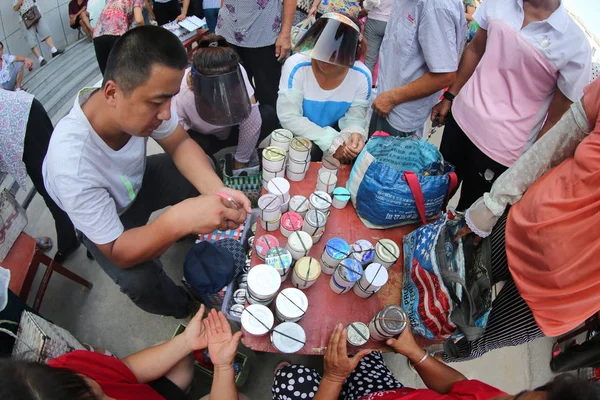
(18, 5)
(558, 107)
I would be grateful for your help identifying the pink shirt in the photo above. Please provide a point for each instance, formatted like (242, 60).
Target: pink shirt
(502, 107)
(116, 17)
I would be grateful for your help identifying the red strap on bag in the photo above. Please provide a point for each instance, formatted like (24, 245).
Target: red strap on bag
(415, 188)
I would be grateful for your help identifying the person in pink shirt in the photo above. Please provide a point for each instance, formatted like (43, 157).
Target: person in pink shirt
(366, 377)
(546, 247)
(213, 57)
(523, 69)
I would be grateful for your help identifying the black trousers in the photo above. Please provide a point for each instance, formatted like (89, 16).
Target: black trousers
(166, 12)
(103, 45)
(147, 284)
(474, 169)
(37, 137)
(263, 70)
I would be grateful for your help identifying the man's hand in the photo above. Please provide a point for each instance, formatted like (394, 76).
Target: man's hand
(180, 17)
(222, 345)
(237, 196)
(195, 333)
(337, 365)
(384, 103)
(283, 46)
(205, 213)
(440, 111)
(313, 11)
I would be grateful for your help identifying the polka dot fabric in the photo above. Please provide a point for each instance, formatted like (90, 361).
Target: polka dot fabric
(299, 382)
(595, 71)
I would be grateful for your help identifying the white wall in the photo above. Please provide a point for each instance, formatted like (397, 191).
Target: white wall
(56, 15)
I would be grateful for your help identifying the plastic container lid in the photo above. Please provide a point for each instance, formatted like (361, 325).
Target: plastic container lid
(315, 218)
(320, 200)
(263, 280)
(299, 204)
(308, 268)
(350, 270)
(286, 344)
(387, 250)
(328, 178)
(264, 243)
(363, 251)
(278, 186)
(269, 202)
(377, 274)
(279, 258)
(337, 248)
(301, 144)
(300, 241)
(331, 163)
(250, 322)
(341, 193)
(273, 153)
(357, 333)
(292, 221)
(281, 135)
(292, 303)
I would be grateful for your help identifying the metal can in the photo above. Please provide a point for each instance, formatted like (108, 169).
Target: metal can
(363, 251)
(326, 182)
(299, 204)
(386, 253)
(347, 273)
(291, 222)
(257, 320)
(388, 323)
(331, 164)
(320, 201)
(236, 310)
(239, 296)
(280, 259)
(299, 244)
(273, 159)
(270, 207)
(341, 196)
(290, 305)
(300, 149)
(314, 222)
(358, 334)
(335, 251)
(263, 244)
(288, 337)
(306, 272)
(281, 138)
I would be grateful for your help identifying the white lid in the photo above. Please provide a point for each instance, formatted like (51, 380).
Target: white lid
(284, 343)
(264, 280)
(320, 200)
(250, 316)
(355, 338)
(291, 302)
(299, 204)
(278, 186)
(281, 135)
(377, 274)
(328, 178)
(269, 202)
(316, 218)
(298, 238)
(387, 250)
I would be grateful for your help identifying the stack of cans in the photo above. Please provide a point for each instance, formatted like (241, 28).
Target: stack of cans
(347, 273)
(273, 163)
(280, 259)
(290, 305)
(263, 283)
(306, 272)
(299, 159)
(270, 212)
(374, 277)
(280, 187)
(314, 224)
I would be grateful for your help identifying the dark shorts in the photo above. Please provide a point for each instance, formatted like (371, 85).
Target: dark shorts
(168, 389)
(76, 24)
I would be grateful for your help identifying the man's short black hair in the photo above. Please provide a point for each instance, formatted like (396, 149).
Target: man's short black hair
(137, 51)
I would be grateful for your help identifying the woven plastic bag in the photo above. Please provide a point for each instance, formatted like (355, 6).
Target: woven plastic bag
(399, 181)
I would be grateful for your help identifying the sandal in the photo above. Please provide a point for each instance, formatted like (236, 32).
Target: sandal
(44, 243)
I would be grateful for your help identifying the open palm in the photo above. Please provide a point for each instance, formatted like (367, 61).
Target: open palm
(222, 345)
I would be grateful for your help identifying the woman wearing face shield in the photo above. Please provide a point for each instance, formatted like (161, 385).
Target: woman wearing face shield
(324, 91)
(216, 103)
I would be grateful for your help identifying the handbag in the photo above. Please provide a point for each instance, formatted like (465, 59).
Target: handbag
(31, 17)
(299, 30)
(398, 181)
(13, 220)
(446, 287)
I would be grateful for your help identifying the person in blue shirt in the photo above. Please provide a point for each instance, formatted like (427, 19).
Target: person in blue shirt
(324, 92)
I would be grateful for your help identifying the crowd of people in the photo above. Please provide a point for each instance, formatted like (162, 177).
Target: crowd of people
(511, 81)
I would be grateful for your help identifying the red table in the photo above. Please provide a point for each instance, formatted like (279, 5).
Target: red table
(326, 309)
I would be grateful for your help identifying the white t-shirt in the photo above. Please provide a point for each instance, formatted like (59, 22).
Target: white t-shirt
(91, 182)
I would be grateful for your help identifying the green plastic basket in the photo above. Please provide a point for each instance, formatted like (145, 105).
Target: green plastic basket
(250, 185)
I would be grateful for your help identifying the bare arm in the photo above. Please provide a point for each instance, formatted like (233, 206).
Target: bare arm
(18, 5)
(184, 10)
(469, 13)
(154, 362)
(283, 45)
(469, 60)
(558, 107)
(436, 375)
(138, 16)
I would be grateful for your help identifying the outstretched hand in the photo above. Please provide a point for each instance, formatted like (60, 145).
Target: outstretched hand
(222, 345)
(338, 366)
(195, 333)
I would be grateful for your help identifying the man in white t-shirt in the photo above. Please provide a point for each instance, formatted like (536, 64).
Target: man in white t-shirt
(97, 171)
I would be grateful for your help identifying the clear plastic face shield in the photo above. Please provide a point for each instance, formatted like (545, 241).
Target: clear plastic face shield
(333, 39)
(222, 99)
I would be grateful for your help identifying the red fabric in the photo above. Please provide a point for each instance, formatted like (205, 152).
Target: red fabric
(415, 188)
(113, 376)
(467, 390)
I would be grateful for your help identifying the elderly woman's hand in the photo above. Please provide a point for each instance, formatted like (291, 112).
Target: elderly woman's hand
(338, 366)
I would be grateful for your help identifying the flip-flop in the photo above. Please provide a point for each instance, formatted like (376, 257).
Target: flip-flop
(44, 243)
